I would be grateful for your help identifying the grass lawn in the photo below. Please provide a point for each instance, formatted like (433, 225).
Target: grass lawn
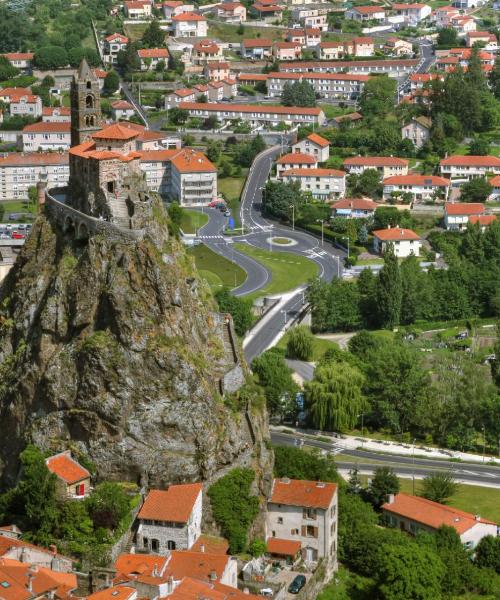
(370, 261)
(18, 206)
(319, 348)
(192, 220)
(226, 32)
(464, 149)
(471, 498)
(216, 269)
(288, 270)
(230, 188)
(334, 111)
(135, 31)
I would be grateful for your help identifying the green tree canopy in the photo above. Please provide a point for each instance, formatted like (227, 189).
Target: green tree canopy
(297, 464)
(276, 379)
(111, 83)
(239, 308)
(389, 292)
(153, 37)
(377, 97)
(476, 190)
(300, 343)
(384, 482)
(439, 486)
(7, 71)
(51, 57)
(299, 93)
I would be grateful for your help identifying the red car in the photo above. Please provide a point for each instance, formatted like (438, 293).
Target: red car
(17, 236)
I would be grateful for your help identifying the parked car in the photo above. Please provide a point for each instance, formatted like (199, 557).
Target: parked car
(297, 584)
(227, 213)
(17, 236)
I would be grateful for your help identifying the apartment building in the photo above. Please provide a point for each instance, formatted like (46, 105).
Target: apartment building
(189, 24)
(391, 67)
(403, 242)
(294, 160)
(20, 171)
(421, 187)
(26, 106)
(322, 184)
(468, 167)
(315, 145)
(112, 45)
(387, 166)
(45, 136)
(341, 86)
(307, 512)
(256, 114)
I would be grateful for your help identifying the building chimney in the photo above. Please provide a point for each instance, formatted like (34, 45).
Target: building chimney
(246, 591)
(170, 585)
(202, 548)
(213, 575)
(477, 517)
(390, 499)
(155, 570)
(53, 548)
(29, 585)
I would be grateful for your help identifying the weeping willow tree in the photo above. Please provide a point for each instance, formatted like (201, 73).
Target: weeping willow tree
(334, 397)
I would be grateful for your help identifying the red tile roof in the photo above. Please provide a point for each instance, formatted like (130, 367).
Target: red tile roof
(115, 132)
(296, 158)
(157, 155)
(117, 592)
(395, 233)
(472, 161)
(43, 580)
(356, 204)
(190, 589)
(297, 492)
(250, 108)
(482, 219)
(34, 158)
(396, 6)
(323, 76)
(19, 55)
(368, 10)
(313, 173)
(376, 161)
(188, 16)
(347, 64)
(319, 140)
(188, 160)
(431, 513)
(210, 544)
(15, 91)
(464, 208)
(283, 547)
(140, 564)
(206, 46)
(118, 37)
(66, 468)
(122, 105)
(153, 53)
(425, 180)
(48, 127)
(363, 40)
(252, 77)
(257, 43)
(29, 99)
(63, 111)
(174, 504)
(495, 181)
(198, 565)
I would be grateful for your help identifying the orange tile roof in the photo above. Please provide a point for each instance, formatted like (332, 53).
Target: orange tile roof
(347, 64)
(66, 468)
(188, 160)
(368, 10)
(117, 37)
(184, 92)
(252, 77)
(287, 45)
(363, 40)
(471, 161)
(34, 158)
(356, 203)
(482, 219)
(213, 66)
(431, 513)
(323, 76)
(211, 544)
(424, 180)
(8, 543)
(153, 53)
(206, 46)
(297, 492)
(250, 108)
(117, 592)
(140, 564)
(317, 139)
(188, 16)
(464, 208)
(121, 105)
(395, 233)
(174, 504)
(19, 55)
(376, 161)
(296, 158)
(15, 91)
(495, 181)
(115, 132)
(283, 547)
(198, 565)
(43, 580)
(257, 43)
(63, 111)
(313, 173)
(191, 589)
(48, 127)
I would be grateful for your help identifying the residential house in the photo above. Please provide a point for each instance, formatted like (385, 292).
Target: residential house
(307, 38)
(194, 589)
(468, 167)
(121, 109)
(415, 514)
(267, 11)
(252, 79)
(304, 511)
(480, 37)
(441, 16)
(21, 60)
(418, 130)
(256, 48)
(463, 24)
(118, 592)
(354, 208)
(315, 145)
(398, 47)
(26, 106)
(483, 221)
(495, 194)
(217, 71)
(215, 91)
(189, 24)
(73, 479)
(287, 51)
(315, 20)
(387, 166)
(25, 581)
(412, 13)
(231, 12)
(288, 550)
(392, 67)
(13, 93)
(205, 51)
(15, 549)
(182, 95)
(170, 519)
(365, 13)
(230, 88)
(203, 567)
(54, 114)
(20, 171)
(347, 120)
(457, 214)
(334, 50)
(138, 9)
(256, 114)
(172, 8)
(112, 45)
(363, 46)
(420, 80)
(404, 242)
(150, 57)
(467, 4)
(46, 136)
(295, 160)
(322, 184)
(337, 86)
(420, 187)
(11, 531)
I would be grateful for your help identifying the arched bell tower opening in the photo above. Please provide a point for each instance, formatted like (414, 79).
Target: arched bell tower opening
(86, 117)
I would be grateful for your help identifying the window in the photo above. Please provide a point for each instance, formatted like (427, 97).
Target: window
(294, 532)
(145, 543)
(171, 545)
(309, 513)
(280, 520)
(311, 531)
(80, 489)
(155, 545)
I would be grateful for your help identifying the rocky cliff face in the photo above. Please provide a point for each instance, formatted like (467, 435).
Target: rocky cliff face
(113, 350)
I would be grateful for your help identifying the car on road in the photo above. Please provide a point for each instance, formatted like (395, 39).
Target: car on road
(227, 213)
(17, 236)
(297, 584)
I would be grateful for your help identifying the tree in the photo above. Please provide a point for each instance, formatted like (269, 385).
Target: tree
(366, 184)
(153, 37)
(334, 396)
(239, 308)
(354, 484)
(257, 547)
(276, 379)
(297, 464)
(390, 215)
(278, 197)
(214, 149)
(51, 57)
(300, 344)
(111, 83)
(439, 486)
(495, 78)
(233, 508)
(475, 190)
(7, 71)
(495, 364)
(384, 482)
(389, 292)
(334, 306)
(128, 60)
(175, 64)
(488, 553)
(299, 93)
(75, 56)
(178, 116)
(108, 505)
(377, 97)
(479, 146)
(447, 37)
(409, 572)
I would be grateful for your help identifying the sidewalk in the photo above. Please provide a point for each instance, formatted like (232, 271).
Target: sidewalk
(355, 443)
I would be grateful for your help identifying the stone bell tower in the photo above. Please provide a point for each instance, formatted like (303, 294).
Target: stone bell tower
(86, 117)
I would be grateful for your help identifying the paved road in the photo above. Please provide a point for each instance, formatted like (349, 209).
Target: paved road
(304, 369)
(402, 465)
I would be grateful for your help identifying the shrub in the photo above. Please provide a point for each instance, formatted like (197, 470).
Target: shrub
(300, 344)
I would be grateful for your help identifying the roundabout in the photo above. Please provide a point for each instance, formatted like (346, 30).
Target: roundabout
(281, 241)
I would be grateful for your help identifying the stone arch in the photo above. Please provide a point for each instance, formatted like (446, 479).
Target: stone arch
(83, 231)
(89, 101)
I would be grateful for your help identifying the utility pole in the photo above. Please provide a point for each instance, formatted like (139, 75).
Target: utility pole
(292, 206)
(413, 466)
(322, 221)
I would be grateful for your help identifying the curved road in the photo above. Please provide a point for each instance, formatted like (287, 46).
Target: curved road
(483, 474)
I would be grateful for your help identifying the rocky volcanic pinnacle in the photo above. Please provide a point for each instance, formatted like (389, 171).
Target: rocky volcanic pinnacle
(113, 349)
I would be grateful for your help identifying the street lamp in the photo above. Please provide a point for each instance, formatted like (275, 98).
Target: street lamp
(346, 237)
(338, 266)
(292, 206)
(362, 415)
(284, 312)
(484, 442)
(322, 221)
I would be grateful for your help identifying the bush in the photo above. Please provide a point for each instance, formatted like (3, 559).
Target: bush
(257, 547)
(233, 507)
(300, 344)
